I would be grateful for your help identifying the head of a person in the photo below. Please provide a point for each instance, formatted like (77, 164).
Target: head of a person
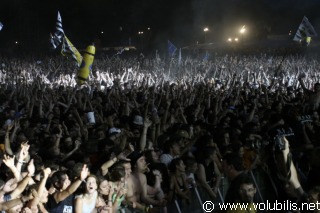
(177, 166)
(104, 186)
(191, 165)
(247, 189)
(314, 195)
(183, 136)
(56, 111)
(277, 106)
(232, 165)
(138, 161)
(222, 137)
(126, 165)
(91, 184)
(60, 180)
(172, 147)
(315, 115)
(209, 153)
(116, 173)
(68, 143)
(237, 148)
(151, 156)
(44, 197)
(137, 125)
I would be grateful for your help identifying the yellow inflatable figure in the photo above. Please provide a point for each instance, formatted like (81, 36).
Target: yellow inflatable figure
(86, 65)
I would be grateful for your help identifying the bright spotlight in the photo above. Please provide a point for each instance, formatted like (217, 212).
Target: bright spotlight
(206, 29)
(243, 29)
(236, 39)
(230, 39)
(101, 32)
(16, 42)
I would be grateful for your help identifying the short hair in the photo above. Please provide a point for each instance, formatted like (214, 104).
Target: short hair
(56, 178)
(246, 179)
(116, 173)
(235, 160)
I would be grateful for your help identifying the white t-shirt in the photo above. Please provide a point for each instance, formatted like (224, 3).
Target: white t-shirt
(166, 159)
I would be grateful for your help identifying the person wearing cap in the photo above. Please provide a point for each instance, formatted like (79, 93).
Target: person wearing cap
(114, 133)
(138, 120)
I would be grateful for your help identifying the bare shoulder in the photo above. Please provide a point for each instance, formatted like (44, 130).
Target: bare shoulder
(142, 177)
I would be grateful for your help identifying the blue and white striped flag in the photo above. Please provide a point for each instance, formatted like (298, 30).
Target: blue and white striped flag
(171, 49)
(305, 30)
(57, 38)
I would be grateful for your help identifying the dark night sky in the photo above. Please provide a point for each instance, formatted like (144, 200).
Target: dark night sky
(31, 21)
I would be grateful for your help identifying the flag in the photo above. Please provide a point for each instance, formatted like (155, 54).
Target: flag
(120, 51)
(1, 26)
(55, 41)
(180, 57)
(57, 38)
(305, 30)
(206, 56)
(69, 49)
(171, 49)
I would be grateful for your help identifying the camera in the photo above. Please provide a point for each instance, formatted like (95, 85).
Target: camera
(279, 143)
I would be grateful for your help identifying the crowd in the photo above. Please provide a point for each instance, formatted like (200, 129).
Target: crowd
(145, 134)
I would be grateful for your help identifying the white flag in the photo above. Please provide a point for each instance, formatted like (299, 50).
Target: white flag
(1, 25)
(305, 30)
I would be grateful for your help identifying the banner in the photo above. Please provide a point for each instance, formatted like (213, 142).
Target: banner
(69, 49)
(305, 30)
(57, 38)
(171, 49)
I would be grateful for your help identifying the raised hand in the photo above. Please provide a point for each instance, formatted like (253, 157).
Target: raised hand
(9, 161)
(77, 143)
(31, 168)
(24, 151)
(84, 172)
(147, 123)
(156, 172)
(46, 172)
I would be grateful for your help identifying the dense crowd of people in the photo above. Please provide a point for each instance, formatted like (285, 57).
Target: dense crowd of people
(145, 134)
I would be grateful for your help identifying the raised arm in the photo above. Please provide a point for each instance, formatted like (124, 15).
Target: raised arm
(42, 186)
(61, 195)
(143, 139)
(22, 184)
